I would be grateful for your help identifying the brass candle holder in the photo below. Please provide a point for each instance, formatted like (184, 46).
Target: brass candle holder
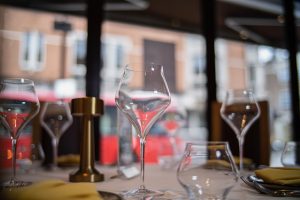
(87, 108)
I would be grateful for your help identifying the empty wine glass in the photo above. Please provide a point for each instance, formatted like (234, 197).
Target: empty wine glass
(290, 156)
(207, 170)
(143, 104)
(240, 110)
(18, 105)
(56, 118)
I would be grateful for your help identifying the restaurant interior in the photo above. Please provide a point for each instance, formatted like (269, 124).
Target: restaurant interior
(149, 99)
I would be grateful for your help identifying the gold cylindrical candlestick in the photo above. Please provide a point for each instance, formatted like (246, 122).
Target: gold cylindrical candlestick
(87, 108)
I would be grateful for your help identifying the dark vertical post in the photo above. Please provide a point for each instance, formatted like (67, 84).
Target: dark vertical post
(94, 21)
(291, 41)
(209, 32)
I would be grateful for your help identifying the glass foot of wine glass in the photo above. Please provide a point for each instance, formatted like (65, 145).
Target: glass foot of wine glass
(14, 184)
(52, 167)
(141, 193)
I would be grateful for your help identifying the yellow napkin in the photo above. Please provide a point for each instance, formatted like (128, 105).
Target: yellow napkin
(218, 164)
(246, 161)
(54, 189)
(68, 160)
(280, 175)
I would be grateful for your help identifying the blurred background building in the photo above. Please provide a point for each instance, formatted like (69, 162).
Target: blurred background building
(50, 48)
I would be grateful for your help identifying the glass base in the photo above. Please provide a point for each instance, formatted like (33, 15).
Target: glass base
(14, 184)
(141, 193)
(51, 167)
(145, 194)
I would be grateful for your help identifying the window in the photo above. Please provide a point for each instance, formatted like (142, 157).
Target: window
(80, 52)
(162, 53)
(284, 99)
(115, 50)
(119, 56)
(108, 121)
(195, 63)
(251, 72)
(79, 55)
(33, 51)
(198, 62)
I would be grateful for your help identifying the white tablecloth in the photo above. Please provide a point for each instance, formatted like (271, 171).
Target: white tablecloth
(155, 178)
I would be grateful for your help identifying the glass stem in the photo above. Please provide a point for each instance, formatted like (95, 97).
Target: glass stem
(55, 141)
(14, 157)
(55, 150)
(241, 144)
(142, 176)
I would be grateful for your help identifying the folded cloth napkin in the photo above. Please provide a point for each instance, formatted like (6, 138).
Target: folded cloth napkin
(217, 164)
(54, 189)
(280, 175)
(247, 162)
(68, 160)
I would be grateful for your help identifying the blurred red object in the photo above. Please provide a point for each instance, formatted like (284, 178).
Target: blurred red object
(23, 150)
(155, 147)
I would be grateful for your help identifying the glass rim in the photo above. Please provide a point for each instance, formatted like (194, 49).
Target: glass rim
(291, 141)
(130, 68)
(57, 102)
(17, 81)
(294, 143)
(207, 143)
(241, 90)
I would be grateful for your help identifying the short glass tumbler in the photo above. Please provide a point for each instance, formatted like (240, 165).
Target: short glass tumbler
(207, 170)
(291, 154)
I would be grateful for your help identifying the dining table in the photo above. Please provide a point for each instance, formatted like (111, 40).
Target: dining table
(155, 178)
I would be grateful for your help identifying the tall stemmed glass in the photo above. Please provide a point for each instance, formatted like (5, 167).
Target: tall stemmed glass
(18, 105)
(240, 110)
(143, 105)
(56, 118)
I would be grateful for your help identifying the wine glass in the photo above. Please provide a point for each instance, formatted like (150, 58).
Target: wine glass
(240, 110)
(18, 105)
(56, 118)
(290, 156)
(207, 170)
(143, 105)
